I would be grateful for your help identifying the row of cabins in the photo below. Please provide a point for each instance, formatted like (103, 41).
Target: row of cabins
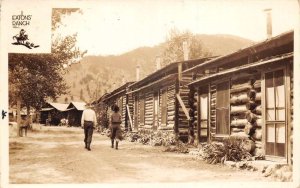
(210, 99)
(54, 112)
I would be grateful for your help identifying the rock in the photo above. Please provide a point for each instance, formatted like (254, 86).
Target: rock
(258, 152)
(170, 149)
(230, 163)
(258, 144)
(194, 152)
(241, 165)
(249, 167)
(271, 169)
(277, 174)
(287, 176)
(248, 145)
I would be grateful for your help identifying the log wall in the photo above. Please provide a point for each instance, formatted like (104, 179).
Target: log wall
(171, 97)
(245, 101)
(141, 110)
(149, 109)
(245, 107)
(135, 119)
(212, 102)
(183, 122)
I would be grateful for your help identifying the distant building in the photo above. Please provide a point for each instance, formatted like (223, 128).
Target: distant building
(53, 112)
(75, 110)
(122, 100)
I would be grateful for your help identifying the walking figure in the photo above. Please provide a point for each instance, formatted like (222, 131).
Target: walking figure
(25, 125)
(88, 122)
(115, 127)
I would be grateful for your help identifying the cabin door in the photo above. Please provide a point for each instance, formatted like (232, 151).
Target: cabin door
(135, 116)
(156, 110)
(275, 113)
(202, 129)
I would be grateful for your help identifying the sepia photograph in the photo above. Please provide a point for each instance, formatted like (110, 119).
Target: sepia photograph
(150, 93)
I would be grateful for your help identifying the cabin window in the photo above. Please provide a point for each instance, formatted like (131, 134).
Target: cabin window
(142, 109)
(164, 107)
(275, 113)
(203, 116)
(222, 108)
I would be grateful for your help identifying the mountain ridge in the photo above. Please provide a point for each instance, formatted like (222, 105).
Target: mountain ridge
(106, 73)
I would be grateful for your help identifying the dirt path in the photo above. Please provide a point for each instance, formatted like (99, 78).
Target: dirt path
(57, 155)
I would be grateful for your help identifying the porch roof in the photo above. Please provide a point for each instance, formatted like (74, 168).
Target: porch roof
(268, 44)
(255, 65)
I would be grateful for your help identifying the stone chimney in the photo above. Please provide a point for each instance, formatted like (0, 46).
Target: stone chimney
(137, 72)
(185, 58)
(185, 50)
(158, 65)
(269, 22)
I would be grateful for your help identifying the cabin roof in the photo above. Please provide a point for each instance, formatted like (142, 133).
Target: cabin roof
(155, 83)
(78, 105)
(168, 70)
(116, 92)
(59, 106)
(276, 41)
(254, 66)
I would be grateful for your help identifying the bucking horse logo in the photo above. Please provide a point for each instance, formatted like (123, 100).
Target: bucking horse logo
(22, 39)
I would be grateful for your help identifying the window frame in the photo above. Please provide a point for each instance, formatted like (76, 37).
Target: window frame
(275, 122)
(205, 91)
(142, 109)
(164, 96)
(228, 107)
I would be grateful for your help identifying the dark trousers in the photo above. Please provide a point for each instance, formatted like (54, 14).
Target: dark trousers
(116, 132)
(88, 132)
(21, 130)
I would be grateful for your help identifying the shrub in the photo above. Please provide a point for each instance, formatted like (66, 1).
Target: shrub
(232, 149)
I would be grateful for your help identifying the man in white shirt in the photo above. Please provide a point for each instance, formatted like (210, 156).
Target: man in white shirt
(88, 122)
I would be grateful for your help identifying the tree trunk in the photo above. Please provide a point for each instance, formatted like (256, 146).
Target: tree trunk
(18, 116)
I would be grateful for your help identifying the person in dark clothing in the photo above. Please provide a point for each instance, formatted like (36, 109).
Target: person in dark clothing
(116, 121)
(88, 122)
(25, 125)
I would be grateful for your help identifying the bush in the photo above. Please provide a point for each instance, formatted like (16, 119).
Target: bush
(232, 149)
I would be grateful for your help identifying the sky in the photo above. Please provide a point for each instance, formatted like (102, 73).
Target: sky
(116, 27)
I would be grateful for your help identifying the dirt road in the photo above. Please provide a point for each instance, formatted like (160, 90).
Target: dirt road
(57, 155)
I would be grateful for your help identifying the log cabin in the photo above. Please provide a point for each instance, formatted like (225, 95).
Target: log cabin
(251, 91)
(54, 112)
(160, 100)
(101, 109)
(120, 98)
(75, 110)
